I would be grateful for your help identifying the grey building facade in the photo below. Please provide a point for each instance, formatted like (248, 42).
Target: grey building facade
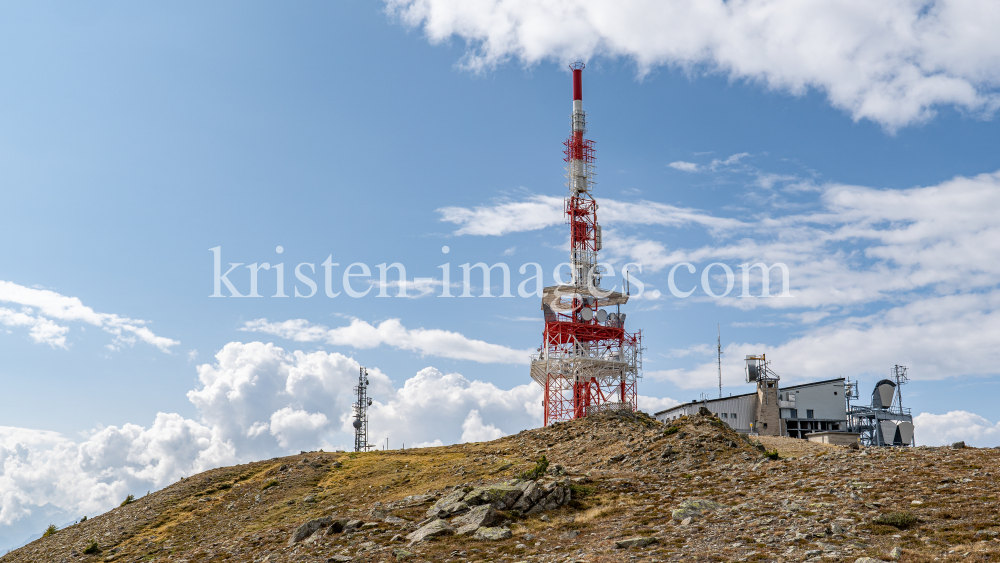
(809, 407)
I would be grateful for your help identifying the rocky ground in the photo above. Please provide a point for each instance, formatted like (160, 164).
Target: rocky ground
(617, 488)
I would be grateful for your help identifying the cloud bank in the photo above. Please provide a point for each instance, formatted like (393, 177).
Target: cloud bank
(363, 335)
(895, 276)
(940, 429)
(40, 309)
(891, 62)
(255, 401)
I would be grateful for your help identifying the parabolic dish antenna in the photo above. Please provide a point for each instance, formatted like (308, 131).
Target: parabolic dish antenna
(602, 315)
(586, 313)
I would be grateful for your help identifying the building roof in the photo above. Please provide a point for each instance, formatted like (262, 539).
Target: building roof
(814, 383)
(801, 385)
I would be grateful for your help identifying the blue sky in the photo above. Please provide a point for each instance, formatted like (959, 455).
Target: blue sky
(136, 138)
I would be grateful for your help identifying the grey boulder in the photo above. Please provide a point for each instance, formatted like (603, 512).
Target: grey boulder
(308, 529)
(530, 495)
(476, 518)
(558, 497)
(449, 505)
(492, 534)
(634, 542)
(431, 529)
(502, 497)
(694, 507)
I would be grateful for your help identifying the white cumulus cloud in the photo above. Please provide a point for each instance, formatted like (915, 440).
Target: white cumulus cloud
(537, 212)
(941, 429)
(892, 62)
(296, 427)
(653, 405)
(684, 166)
(434, 402)
(255, 401)
(473, 429)
(41, 309)
(363, 335)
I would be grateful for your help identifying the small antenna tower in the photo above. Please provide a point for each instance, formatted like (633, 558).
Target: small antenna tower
(719, 343)
(850, 392)
(361, 412)
(900, 377)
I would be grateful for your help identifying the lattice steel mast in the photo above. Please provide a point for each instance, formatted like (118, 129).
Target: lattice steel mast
(361, 412)
(587, 361)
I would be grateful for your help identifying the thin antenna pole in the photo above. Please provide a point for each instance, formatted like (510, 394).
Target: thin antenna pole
(719, 344)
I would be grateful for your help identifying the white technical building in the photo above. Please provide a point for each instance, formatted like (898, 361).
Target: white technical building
(810, 407)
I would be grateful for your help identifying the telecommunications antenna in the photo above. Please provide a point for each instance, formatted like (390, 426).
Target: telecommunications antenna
(361, 412)
(719, 344)
(752, 368)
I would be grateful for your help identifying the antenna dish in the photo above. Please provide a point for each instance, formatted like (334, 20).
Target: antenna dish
(753, 371)
(602, 316)
(586, 314)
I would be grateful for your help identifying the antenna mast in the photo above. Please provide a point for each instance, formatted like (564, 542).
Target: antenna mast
(900, 377)
(361, 412)
(587, 363)
(719, 345)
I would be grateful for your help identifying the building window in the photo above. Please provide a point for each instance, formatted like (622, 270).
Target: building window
(724, 415)
(809, 413)
(765, 426)
(834, 392)
(794, 413)
(732, 415)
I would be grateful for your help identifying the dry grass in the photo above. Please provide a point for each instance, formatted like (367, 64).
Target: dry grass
(793, 447)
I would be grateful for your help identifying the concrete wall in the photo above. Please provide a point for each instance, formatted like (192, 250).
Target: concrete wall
(825, 399)
(835, 438)
(767, 409)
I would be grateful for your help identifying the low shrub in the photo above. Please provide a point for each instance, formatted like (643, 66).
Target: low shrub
(50, 530)
(672, 430)
(771, 454)
(92, 548)
(269, 484)
(128, 500)
(537, 471)
(896, 519)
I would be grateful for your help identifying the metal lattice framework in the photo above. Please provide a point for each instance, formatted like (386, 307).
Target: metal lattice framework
(361, 412)
(878, 424)
(588, 362)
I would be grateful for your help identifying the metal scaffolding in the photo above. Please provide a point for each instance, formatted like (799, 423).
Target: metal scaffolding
(886, 422)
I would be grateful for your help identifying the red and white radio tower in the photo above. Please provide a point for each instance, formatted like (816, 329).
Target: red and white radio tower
(587, 362)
